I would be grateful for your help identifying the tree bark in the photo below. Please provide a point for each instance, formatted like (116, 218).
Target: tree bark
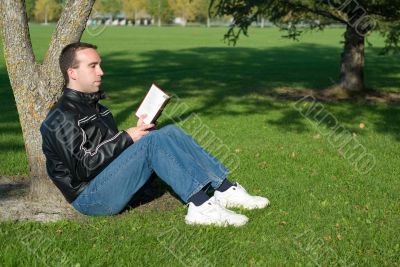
(351, 76)
(36, 87)
(159, 14)
(45, 15)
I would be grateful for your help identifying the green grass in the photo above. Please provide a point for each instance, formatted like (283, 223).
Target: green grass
(323, 211)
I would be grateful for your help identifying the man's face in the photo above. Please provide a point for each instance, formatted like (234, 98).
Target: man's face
(87, 77)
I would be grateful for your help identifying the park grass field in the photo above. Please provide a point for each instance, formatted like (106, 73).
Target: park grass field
(324, 211)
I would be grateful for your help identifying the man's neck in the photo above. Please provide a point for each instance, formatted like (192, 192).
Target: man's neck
(76, 88)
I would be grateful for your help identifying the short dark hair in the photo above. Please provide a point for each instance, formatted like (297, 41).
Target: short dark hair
(67, 57)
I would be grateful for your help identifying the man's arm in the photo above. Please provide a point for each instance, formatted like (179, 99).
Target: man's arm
(91, 162)
(140, 130)
(67, 140)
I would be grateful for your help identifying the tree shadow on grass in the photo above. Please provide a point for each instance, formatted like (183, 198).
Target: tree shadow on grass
(154, 190)
(227, 82)
(231, 76)
(12, 188)
(224, 77)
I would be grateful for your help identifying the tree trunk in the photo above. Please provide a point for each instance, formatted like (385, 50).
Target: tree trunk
(352, 62)
(36, 87)
(135, 15)
(45, 15)
(159, 13)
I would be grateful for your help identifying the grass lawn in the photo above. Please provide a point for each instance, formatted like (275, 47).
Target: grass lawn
(325, 210)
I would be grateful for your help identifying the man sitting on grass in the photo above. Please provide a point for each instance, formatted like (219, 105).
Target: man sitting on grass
(99, 169)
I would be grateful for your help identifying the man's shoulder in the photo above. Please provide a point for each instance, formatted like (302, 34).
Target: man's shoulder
(62, 112)
(102, 107)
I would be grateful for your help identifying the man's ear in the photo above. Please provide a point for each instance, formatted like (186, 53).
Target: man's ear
(71, 73)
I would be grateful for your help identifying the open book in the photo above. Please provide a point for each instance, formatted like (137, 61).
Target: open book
(153, 104)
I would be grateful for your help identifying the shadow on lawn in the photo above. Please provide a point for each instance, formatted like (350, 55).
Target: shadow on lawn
(223, 77)
(155, 193)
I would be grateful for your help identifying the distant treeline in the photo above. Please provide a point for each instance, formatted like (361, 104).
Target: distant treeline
(130, 11)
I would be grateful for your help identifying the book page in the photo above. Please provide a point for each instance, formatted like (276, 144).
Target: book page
(152, 103)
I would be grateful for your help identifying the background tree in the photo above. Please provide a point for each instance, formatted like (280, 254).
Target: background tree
(133, 8)
(30, 7)
(98, 6)
(160, 10)
(185, 9)
(359, 17)
(47, 10)
(110, 7)
(203, 14)
(36, 87)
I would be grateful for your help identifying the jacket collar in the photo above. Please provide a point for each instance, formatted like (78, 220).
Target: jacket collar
(89, 98)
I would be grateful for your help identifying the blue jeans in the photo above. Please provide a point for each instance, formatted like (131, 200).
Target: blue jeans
(169, 152)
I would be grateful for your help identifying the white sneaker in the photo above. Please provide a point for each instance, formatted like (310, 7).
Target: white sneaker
(210, 212)
(236, 196)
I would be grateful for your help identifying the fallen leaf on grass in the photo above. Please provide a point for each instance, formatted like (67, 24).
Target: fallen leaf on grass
(339, 236)
(317, 136)
(327, 238)
(263, 165)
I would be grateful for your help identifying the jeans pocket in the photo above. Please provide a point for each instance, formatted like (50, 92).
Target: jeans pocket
(93, 209)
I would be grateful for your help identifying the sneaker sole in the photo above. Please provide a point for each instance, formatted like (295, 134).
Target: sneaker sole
(244, 207)
(221, 224)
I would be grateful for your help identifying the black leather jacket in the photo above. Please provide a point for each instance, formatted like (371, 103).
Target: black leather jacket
(80, 138)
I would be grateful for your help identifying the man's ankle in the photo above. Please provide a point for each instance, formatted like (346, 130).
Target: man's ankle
(226, 184)
(199, 198)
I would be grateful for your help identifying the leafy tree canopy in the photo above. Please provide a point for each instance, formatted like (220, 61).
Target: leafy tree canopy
(363, 15)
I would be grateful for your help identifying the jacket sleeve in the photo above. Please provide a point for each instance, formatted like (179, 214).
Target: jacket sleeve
(89, 163)
(61, 177)
(85, 163)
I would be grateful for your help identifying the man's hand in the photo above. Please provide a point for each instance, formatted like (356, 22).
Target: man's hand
(140, 122)
(138, 132)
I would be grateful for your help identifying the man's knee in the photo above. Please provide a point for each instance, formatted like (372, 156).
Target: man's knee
(171, 128)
